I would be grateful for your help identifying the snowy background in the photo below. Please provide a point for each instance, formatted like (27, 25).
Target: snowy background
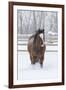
(26, 71)
(28, 23)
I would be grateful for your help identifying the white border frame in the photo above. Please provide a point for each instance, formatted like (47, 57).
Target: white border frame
(59, 10)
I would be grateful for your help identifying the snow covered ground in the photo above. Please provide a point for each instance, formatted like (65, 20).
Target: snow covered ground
(26, 71)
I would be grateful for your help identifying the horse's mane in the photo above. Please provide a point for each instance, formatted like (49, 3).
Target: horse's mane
(35, 37)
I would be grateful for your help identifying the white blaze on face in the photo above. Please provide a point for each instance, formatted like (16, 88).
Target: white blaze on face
(41, 35)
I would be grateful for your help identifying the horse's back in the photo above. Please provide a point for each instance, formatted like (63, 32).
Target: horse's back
(30, 43)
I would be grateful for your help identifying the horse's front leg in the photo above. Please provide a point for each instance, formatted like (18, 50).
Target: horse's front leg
(41, 61)
(32, 59)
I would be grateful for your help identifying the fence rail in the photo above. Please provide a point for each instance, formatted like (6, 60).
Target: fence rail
(51, 43)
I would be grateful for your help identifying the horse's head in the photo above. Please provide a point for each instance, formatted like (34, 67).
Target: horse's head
(41, 33)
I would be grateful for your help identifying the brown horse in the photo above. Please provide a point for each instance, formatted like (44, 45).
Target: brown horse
(36, 48)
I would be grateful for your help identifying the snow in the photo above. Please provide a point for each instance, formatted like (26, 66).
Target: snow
(27, 71)
(52, 33)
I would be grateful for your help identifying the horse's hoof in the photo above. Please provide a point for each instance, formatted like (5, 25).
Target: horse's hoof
(32, 62)
(41, 65)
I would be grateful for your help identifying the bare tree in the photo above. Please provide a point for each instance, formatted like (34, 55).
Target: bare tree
(21, 23)
(34, 21)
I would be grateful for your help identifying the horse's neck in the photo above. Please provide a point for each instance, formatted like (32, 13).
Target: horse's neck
(35, 38)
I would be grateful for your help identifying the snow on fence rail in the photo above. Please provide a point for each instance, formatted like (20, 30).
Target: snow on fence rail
(51, 45)
(22, 45)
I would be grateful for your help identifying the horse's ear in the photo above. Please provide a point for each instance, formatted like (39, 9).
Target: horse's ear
(39, 30)
(43, 30)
